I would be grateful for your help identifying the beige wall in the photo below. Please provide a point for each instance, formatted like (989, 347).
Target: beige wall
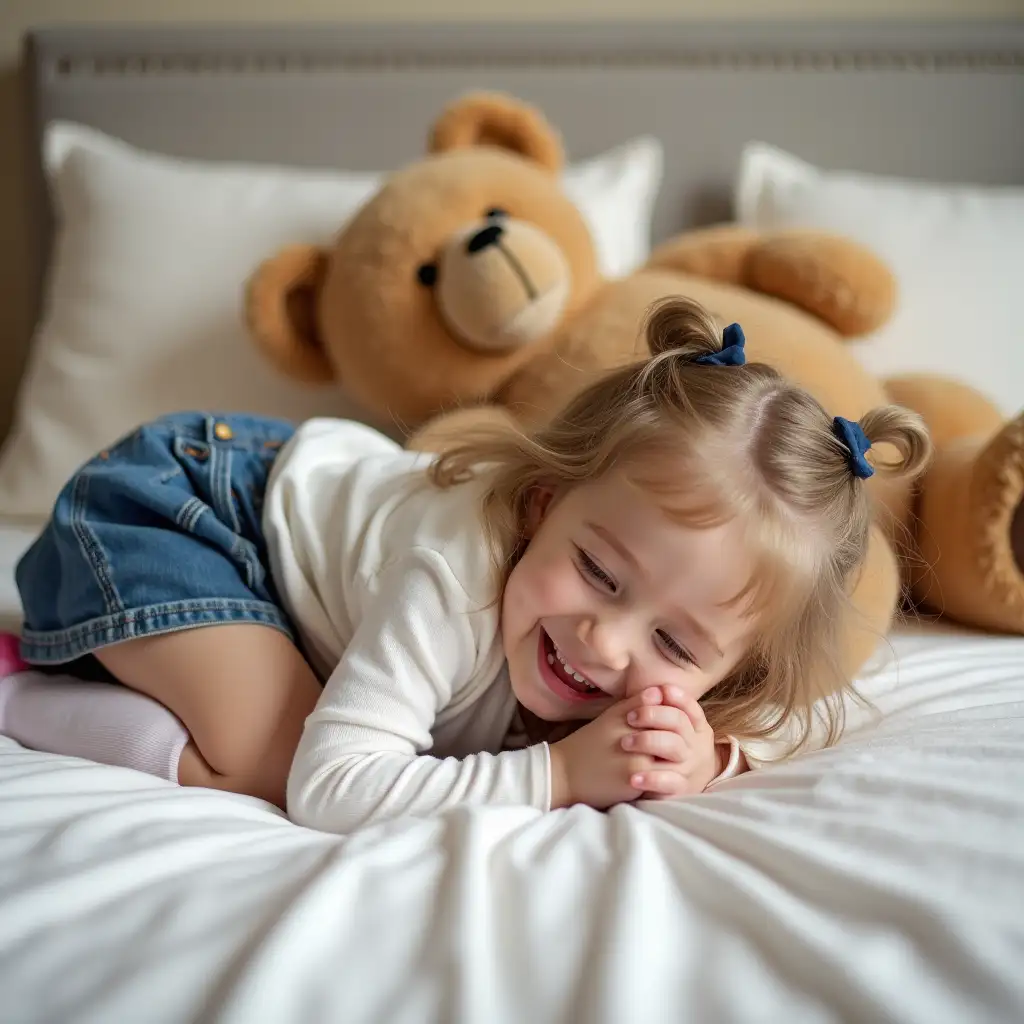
(17, 15)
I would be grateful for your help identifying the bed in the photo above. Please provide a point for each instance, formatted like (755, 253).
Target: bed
(879, 880)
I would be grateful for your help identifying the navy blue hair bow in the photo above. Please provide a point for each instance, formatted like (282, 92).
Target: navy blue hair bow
(732, 349)
(852, 435)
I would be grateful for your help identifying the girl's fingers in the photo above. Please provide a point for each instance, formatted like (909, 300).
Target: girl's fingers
(669, 746)
(621, 710)
(652, 696)
(660, 716)
(674, 696)
(660, 782)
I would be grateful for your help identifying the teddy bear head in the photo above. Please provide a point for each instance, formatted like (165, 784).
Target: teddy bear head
(452, 277)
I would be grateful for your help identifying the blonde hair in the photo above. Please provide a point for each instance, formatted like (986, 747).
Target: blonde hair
(742, 443)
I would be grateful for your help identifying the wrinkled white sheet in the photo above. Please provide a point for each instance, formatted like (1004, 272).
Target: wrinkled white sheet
(882, 880)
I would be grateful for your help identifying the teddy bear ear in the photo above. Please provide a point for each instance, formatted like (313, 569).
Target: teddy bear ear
(280, 310)
(494, 119)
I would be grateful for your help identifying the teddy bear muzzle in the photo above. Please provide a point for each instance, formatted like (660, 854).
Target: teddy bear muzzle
(502, 284)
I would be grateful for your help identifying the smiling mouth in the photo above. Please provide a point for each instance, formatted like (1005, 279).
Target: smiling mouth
(563, 670)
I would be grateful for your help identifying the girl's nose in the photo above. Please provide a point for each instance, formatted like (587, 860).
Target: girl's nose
(607, 643)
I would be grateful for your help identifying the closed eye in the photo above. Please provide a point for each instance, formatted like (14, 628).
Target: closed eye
(595, 572)
(674, 649)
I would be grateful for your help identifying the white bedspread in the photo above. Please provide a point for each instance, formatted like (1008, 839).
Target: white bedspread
(883, 880)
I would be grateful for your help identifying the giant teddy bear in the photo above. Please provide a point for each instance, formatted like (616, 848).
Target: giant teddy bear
(469, 283)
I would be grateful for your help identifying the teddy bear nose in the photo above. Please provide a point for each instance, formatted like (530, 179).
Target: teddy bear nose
(484, 237)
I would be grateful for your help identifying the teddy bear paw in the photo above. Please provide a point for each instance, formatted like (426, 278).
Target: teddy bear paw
(999, 497)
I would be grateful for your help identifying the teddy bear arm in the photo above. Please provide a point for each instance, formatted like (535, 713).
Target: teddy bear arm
(832, 277)
(719, 253)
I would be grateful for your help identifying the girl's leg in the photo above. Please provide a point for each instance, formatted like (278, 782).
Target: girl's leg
(243, 693)
(101, 722)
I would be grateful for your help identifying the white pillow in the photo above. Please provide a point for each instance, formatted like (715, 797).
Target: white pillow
(957, 252)
(143, 311)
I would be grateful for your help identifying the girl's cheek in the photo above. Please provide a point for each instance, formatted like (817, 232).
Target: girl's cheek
(547, 581)
(558, 586)
(532, 590)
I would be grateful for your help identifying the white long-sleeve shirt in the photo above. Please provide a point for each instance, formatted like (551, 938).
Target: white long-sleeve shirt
(391, 586)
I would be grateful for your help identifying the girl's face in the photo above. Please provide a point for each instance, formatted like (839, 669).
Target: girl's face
(611, 596)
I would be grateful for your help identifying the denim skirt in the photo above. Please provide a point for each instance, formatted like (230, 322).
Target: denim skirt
(159, 533)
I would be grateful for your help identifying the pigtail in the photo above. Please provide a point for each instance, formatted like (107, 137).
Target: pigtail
(681, 327)
(903, 431)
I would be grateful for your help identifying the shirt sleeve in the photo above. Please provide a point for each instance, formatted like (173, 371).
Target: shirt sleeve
(361, 758)
(733, 766)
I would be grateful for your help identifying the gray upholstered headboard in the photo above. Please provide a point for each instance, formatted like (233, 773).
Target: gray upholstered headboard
(942, 101)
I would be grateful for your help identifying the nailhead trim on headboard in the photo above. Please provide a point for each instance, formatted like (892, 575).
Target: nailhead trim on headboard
(144, 65)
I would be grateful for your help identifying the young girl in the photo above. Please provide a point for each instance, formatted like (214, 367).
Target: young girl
(667, 562)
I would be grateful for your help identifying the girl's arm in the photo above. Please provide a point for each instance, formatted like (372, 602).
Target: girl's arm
(360, 760)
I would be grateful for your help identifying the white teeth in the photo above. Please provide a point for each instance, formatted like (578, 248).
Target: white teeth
(551, 659)
(569, 668)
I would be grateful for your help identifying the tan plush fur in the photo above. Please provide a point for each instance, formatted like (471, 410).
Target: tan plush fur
(468, 287)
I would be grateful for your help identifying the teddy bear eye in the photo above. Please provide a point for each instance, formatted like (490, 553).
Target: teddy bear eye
(495, 212)
(427, 274)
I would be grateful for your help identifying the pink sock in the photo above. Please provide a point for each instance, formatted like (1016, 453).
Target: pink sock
(101, 722)
(10, 657)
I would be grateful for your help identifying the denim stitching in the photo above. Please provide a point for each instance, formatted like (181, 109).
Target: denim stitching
(189, 513)
(241, 551)
(91, 547)
(66, 644)
(220, 485)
